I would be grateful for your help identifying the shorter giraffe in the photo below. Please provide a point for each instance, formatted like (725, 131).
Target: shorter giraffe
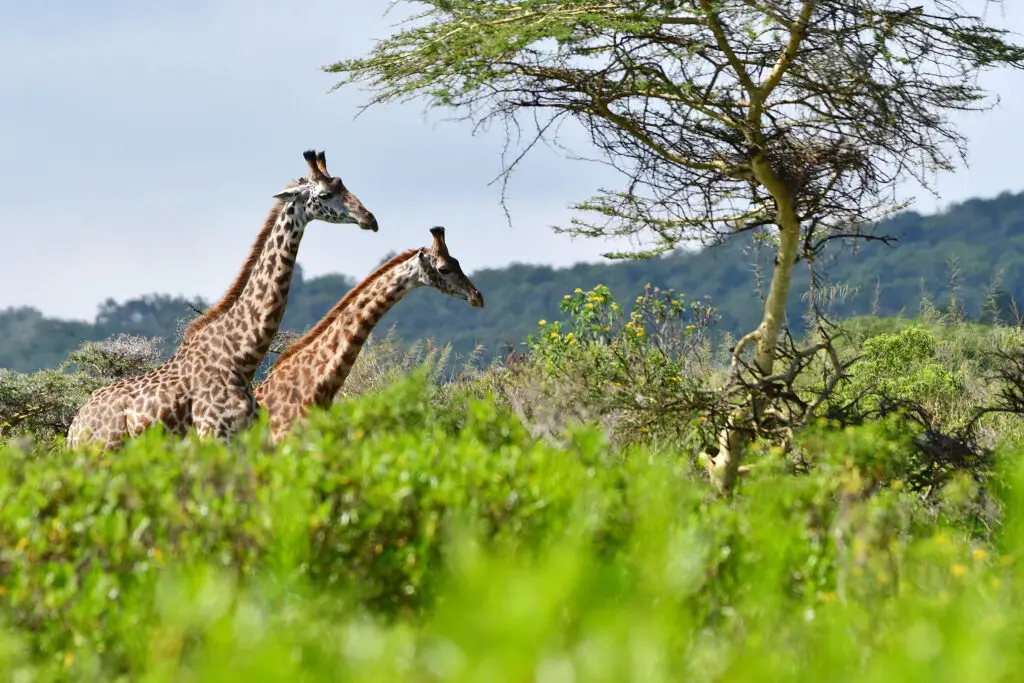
(207, 382)
(313, 369)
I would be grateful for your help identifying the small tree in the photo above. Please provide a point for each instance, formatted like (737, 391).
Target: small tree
(120, 356)
(792, 117)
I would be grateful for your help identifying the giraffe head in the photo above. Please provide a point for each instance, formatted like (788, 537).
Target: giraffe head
(440, 270)
(326, 198)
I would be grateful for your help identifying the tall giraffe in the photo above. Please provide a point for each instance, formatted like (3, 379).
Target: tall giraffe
(313, 369)
(207, 382)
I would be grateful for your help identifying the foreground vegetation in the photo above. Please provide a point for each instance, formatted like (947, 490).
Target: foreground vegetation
(543, 519)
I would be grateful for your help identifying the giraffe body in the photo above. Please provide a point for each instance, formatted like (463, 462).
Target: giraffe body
(313, 369)
(206, 383)
(177, 395)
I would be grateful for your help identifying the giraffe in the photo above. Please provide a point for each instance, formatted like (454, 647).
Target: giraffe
(313, 369)
(207, 382)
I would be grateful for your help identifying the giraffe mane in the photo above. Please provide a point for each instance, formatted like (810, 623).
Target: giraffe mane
(332, 315)
(241, 280)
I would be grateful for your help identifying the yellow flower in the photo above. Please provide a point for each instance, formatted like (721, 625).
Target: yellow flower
(691, 327)
(979, 554)
(673, 379)
(572, 341)
(578, 290)
(567, 297)
(958, 570)
(542, 323)
(554, 335)
(588, 305)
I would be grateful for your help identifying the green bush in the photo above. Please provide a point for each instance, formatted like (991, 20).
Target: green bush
(359, 499)
(648, 367)
(394, 538)
(903, 366)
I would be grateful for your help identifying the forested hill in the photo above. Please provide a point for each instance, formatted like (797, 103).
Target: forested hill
(982, 240)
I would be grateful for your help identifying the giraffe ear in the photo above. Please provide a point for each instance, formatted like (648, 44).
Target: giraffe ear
(291, 192)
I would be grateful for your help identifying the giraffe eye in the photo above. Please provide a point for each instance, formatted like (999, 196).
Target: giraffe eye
(444, 270)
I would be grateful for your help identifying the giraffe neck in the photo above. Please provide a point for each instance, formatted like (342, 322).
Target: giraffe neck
(247, 328)
(346, 338)
(336, 347)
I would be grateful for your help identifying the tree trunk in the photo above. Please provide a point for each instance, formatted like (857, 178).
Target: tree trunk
(736, 433)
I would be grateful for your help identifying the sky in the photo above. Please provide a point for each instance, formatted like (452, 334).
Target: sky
(141, 143)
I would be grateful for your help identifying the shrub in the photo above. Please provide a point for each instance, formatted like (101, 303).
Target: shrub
(118, 357)
(360, 499)
(903, 367)
(647, 367)
(382, 543)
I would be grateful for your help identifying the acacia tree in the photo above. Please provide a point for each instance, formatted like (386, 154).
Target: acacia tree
(792, 117)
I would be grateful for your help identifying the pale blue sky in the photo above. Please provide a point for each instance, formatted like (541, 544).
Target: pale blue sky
(141, 144)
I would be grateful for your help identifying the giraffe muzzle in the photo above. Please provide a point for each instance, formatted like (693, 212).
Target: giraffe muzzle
(475, 299)
(369, 222)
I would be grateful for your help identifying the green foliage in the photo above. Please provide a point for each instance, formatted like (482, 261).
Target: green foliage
(393, 540)
(903, 367)
(358, 500)
(41, 404)
(959, 368)
(649, 365)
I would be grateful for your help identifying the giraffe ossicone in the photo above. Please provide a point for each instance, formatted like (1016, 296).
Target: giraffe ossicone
(206, 384)
(313, 369)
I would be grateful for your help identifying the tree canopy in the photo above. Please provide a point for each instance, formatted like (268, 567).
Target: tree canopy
(722, 115)
(715, 111)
